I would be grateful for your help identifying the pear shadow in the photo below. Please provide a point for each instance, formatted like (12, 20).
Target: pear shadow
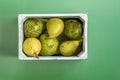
(56, 67)
(9, 37)
(52, 68)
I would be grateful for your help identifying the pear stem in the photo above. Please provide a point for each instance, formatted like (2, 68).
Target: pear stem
(80, 40)
(45, 20)
(36, 56)
(49, 37)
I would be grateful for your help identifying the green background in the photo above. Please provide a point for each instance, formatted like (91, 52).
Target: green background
(103, 41)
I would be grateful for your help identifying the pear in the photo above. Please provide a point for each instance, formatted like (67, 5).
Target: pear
(33, 27)
(31, 47)
(73, 29)
(68, 48)
(49, 45)
(55, 27)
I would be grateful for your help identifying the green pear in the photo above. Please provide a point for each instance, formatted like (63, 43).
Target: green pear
(49, 45)
(33, 27)
(68, 48)
(73, 29)
(55, 27)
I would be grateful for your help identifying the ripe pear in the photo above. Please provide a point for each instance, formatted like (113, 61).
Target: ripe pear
(31, 47)
(55, 27)
(49, 45)
(68, 48)
(33, 27)
(73, 29)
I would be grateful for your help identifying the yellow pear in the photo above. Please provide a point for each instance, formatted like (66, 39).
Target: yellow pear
(55, 27)
(32, 47)
(68, 48)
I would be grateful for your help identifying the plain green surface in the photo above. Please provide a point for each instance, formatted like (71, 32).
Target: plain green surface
(103, 41)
